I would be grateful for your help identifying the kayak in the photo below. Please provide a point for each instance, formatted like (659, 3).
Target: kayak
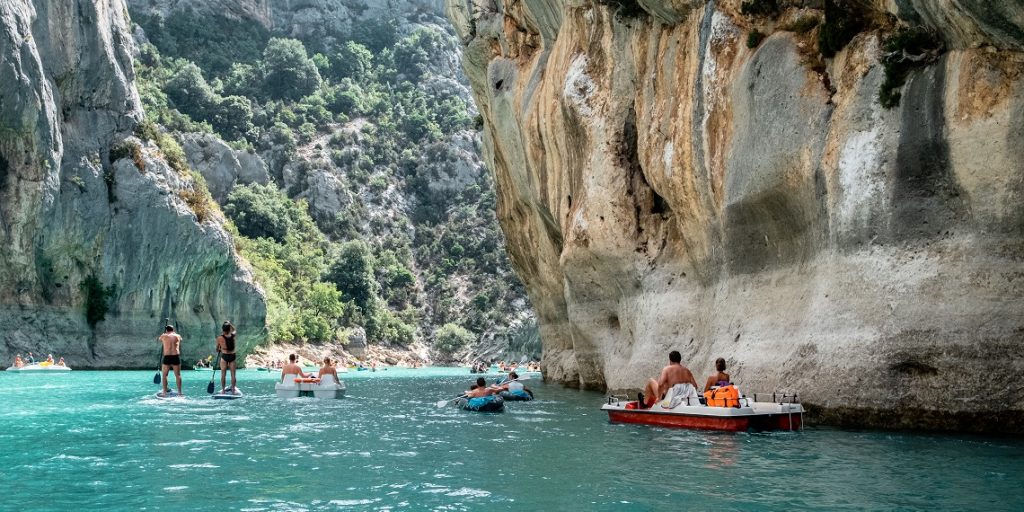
(517, 396)
(228, 394)
(490, 403)
(40, 367)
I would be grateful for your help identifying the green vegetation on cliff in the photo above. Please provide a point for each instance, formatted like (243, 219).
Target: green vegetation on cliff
(411, 243)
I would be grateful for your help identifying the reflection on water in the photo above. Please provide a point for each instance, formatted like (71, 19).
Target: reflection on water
(90, 440)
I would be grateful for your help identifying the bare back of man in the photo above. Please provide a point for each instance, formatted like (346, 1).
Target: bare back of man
(674, 373)
(171, 342)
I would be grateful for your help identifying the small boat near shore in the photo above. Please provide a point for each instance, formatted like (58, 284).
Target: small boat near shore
(293, 387)
(43, 367)
(782, 413)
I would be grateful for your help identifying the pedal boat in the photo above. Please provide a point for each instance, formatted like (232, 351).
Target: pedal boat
(783, 413)
(40, 368)
(294, 387)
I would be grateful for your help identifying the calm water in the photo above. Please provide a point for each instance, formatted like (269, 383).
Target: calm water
(97, 439)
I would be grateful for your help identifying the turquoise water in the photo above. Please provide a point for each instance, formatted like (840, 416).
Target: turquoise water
(97, 439)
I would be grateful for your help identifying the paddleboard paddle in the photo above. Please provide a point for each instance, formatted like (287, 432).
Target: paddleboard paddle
(159, 366)
(160, 362)
(216, 363)
(443, 403)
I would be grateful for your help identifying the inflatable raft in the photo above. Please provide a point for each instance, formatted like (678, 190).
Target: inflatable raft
(491, 403)
(517, 396)
(293, 387)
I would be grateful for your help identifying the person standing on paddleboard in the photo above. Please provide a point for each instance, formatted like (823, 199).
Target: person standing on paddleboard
(171, 342)
(226, 347)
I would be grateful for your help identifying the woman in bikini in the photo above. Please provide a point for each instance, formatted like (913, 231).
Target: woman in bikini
(720, 378)
(226, 347)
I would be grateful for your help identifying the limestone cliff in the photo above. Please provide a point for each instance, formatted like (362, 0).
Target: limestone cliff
(91, 217)
(667, 182)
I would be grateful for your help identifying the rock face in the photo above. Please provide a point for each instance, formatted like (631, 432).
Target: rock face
(73, 206)
(663, 186)
(222, 166)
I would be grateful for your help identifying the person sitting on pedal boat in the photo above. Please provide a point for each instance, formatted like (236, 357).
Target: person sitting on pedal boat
(720, 378)
(674, 373)
(29, 359)
(49, 358)
(292, 368)
(18, 363)
(61, 362)
(328, 369)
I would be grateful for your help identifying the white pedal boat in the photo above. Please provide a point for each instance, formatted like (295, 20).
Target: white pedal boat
(40, 367)
(326, 388)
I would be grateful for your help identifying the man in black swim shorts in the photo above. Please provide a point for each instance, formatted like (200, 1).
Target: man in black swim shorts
(171, 342)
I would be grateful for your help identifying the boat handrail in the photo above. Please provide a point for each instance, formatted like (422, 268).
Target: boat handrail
(793, 398)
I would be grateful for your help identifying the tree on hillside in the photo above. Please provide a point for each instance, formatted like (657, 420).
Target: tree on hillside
(289, 73)
(260, 211)
(352, 272)
(452, 337)
(189, 91)
(352, 60)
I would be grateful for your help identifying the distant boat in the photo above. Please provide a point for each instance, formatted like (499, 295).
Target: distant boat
(40, 368)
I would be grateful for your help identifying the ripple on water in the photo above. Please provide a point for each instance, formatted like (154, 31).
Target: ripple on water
(373, 451)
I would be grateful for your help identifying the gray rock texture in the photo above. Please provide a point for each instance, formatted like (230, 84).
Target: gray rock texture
(663, 186)
(221, 166)
(68, 212)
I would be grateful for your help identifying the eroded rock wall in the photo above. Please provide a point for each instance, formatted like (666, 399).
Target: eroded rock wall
(664, 186)
(71, 208)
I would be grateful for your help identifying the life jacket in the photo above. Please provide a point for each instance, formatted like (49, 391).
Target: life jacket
(724, 396)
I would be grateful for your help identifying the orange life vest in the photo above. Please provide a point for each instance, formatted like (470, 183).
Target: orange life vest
(725, 396)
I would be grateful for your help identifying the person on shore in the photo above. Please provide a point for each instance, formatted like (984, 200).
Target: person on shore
(720, 378)
(328, 369)
(674, 373)
(226, 347)
(171, 343)
(293, 368)
(480, 390)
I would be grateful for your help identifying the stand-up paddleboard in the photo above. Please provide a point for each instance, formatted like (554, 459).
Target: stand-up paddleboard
(228, 395)
(172, 395)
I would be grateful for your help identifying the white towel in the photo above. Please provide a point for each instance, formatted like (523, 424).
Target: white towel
(680, 393)
(289, 380)
(327, 380)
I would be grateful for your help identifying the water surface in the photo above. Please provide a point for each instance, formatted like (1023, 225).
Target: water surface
(98, 439)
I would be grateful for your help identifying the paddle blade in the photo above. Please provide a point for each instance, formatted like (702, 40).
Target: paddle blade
(156, 378)
(209, 387)
(442, 403)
